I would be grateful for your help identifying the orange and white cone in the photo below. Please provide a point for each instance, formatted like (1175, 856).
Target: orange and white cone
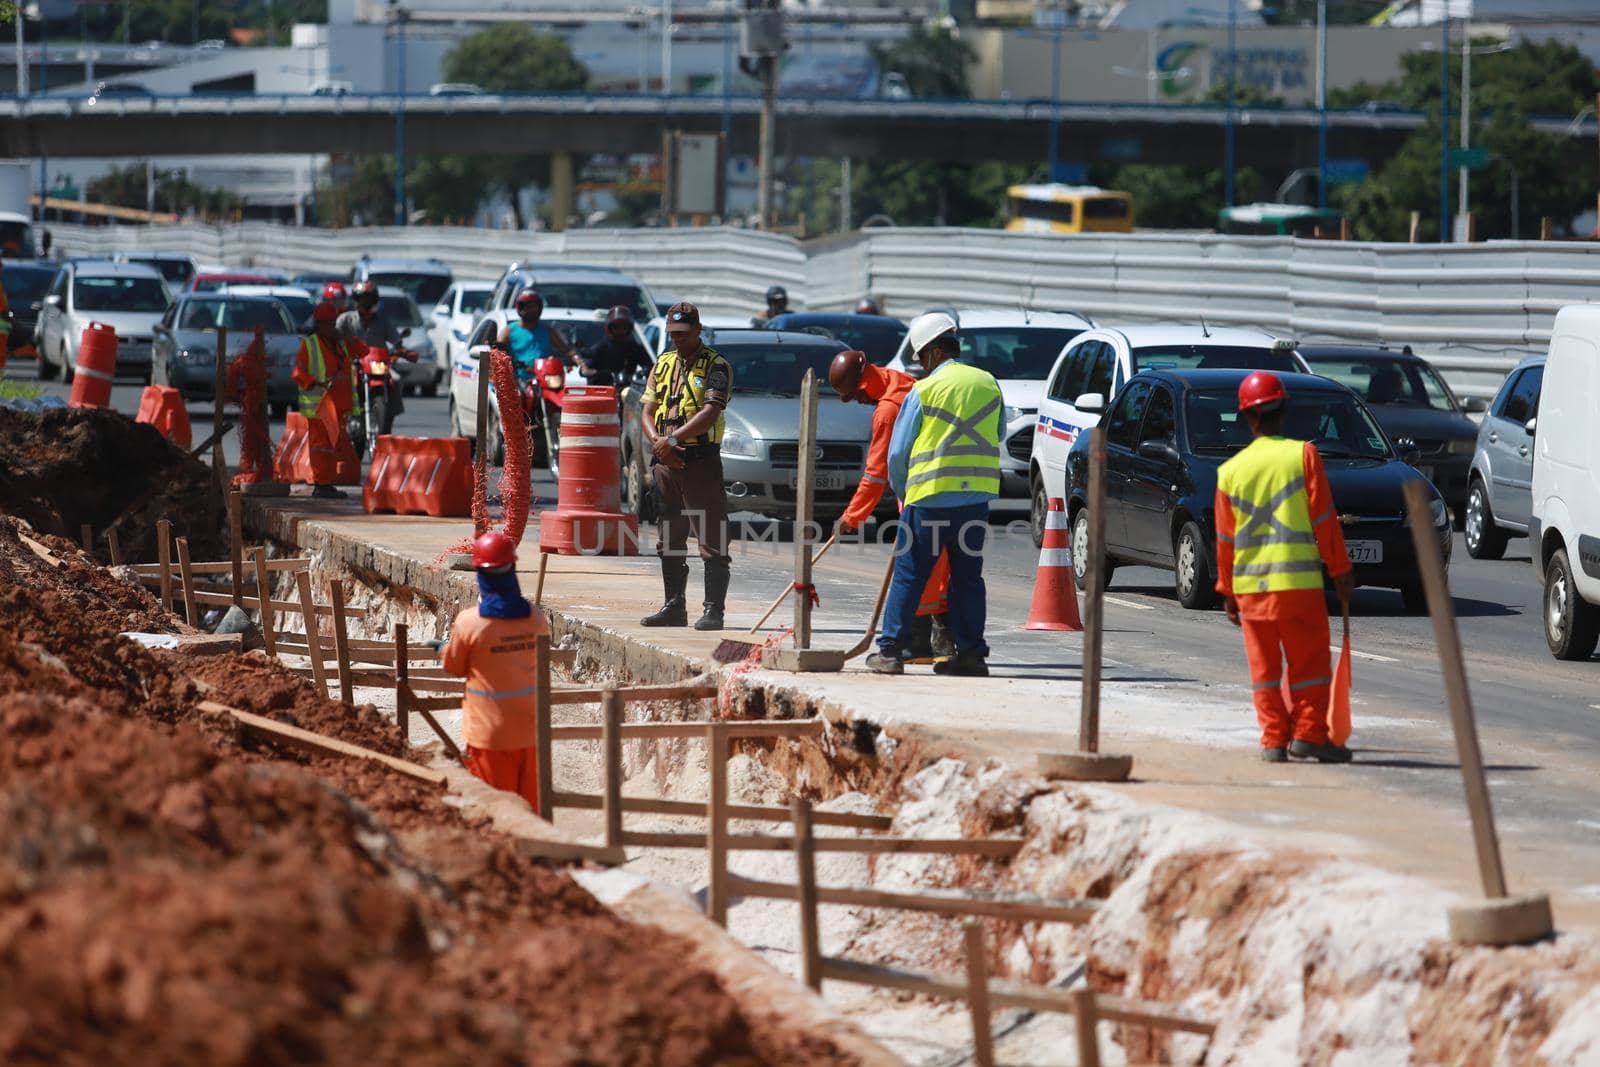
(1055, 590)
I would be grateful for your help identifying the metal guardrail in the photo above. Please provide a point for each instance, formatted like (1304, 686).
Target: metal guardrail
(1474, 310)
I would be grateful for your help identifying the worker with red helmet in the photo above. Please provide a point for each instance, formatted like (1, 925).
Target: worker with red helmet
(529, 340)
(614, 359)
(492, 646)
(334, 293)
(1276, 531)
(326, 367)
(855, 378)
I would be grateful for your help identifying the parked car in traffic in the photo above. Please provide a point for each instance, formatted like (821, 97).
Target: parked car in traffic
(1415, 408)
(1564, 528)
(1099, 362)
(176, 267)
(312, 281)
(452, 318)
(426, 373)
(424, 280)
(292, 297)
(1169, 431)
(26, 282)
(185, 350)
(584, 288)
(210, 281)
(1500, 482)
(879, 336)
(128, 297)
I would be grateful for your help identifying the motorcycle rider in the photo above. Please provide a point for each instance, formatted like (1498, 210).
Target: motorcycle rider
(868, 306)
(614, 359)
(777, 304)
(529, 340)
(371, 328)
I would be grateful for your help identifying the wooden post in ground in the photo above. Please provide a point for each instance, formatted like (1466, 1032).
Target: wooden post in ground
(804, 493)
(114, 545)
(1414, 233)
(611, 744)
(1546, 230)
(805, 860)
(308, 609)
(978, 995)
(191, 613)
(1344, 229)
(542, 708)
(1084, 1021)
(538, 584)
(341, 641)
(269, 635)
(1503, 919)
(86, 534)
(717, 823)
(164, 556)
(236, 542)
(402, 682)
(219, 468)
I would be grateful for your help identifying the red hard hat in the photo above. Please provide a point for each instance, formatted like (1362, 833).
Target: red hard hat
(1259, 388)
(493, 550)
(325, 312)
(333, 291)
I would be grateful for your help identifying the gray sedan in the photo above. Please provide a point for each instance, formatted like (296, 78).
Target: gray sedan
(184, 352)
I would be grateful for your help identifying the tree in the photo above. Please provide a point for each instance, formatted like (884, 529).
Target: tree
(933, 61)
(130, 187)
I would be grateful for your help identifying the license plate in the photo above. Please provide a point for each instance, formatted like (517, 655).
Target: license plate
(819, 481)
(1365, 551)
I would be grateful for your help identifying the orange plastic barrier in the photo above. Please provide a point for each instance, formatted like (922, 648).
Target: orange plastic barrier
(162, 407)
(419, 476)
(96, 367)
(292, 461)
(588, 519)
(1055, 590)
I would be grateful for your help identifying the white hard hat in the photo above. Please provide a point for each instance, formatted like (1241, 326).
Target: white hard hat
(924, 328)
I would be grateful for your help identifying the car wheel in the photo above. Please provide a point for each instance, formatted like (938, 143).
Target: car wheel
(1192, 578)
(1038, 511)
(68, 371)
(43, 368)
(1080, 552)
(638, 491)
(1484, 539)
(431, 389)
(1571, 624)
(1414, 599)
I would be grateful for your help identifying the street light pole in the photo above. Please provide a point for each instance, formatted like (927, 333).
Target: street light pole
(1444, 127)
(666, 47)
(1054, 155)
(1466, 127)
(22, 57)
(1322, 103)
(400, 15)
(1227, 122)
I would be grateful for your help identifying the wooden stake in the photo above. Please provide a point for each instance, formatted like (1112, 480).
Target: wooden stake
(115, 546)
(717, 827)
(86, 534)
(538, 585)
(1546, 230)
(236, 542)
(402, 682)
(805, 859)
(804, 493)
(1415, 231)
(341, 642)
(308, 611)
(191, 613)
(164, 555)
(218, 462)
(1344, 229)
(1084, 1020)
(269, 635)
(978, 996)
(1094, 606)
(542, 738)
(611, 744)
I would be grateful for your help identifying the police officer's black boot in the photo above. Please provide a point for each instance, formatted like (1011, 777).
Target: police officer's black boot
(674, 579)
(717, 576)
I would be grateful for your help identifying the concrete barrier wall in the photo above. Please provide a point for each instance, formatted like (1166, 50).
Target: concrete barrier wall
(1473, 309)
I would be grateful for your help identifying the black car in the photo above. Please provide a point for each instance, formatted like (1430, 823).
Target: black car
(1410, 401)
(878, 336)
(26, 282)
(1167, 433)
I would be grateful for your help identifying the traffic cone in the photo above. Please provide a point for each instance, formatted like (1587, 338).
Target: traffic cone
(1055, 589)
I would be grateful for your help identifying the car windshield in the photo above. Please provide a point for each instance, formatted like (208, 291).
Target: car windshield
(878, 338)
(1015, 352)
(16, 240)
(400, 310)
(475, 299)
(582, 334)
(424, 288)
(1407, 382)
(173, 270)
(776, 369)
(299, 307)
(1334, 421)
(1206, 357)
(240, 315)
(596, 297)
(118, 293)
(26, 285)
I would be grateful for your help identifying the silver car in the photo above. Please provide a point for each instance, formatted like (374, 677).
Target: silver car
(184, 354)
(128, 297)
(1500, 483)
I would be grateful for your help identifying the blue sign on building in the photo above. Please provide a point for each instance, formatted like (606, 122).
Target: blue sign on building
(1347, 171)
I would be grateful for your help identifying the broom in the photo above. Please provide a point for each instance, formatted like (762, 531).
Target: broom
(732, 650)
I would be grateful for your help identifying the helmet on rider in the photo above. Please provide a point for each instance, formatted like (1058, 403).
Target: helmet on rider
(334, 292)
(777, 297)
(620, 320)
(868, 306)
(327, 311)
(1261, 390)
(365, 292)
(493, 551)
(844, 374)
(530, 298)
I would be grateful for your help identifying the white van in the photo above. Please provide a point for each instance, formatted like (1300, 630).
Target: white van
(1565, 526)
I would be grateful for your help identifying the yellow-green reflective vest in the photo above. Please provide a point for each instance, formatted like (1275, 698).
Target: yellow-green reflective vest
(318, 366)
(1274, 543)
(957, 448)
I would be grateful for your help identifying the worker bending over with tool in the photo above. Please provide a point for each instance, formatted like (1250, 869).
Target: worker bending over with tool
(492, 646)
(854, 378)
(1276, 530)
(325, 367)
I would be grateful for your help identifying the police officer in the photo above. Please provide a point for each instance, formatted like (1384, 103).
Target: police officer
(682, 423)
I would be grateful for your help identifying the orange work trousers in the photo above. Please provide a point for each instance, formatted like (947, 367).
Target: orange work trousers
(323, 448)
(936, 594)
(1290, 626)
(515, 770)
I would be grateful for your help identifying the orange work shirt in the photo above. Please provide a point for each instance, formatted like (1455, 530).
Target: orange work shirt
(889, 387)
(496, 658)
(339, 360)
(1330, 545)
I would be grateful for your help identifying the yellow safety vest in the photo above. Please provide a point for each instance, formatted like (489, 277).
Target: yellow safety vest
(1274, 542)
(957, 448)
(679, 394)
(318, 366)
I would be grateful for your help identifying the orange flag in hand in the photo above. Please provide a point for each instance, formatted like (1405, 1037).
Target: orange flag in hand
(1339, 693)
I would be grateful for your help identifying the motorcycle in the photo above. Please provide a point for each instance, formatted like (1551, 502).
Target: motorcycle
(380, 385)
(541, 409)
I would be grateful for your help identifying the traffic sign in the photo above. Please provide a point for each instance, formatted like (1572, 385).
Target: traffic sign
(1071, 173)
(1346, 171)
(1471, 158)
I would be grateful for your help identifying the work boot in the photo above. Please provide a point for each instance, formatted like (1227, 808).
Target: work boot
(921, 647)
(944, 646)
(327, 492)
(716, 593)
(1274, 755)
(886, 663)
(674, 579)
(963, 665)
(1326, 752)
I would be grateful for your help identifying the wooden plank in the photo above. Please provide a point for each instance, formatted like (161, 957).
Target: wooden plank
(444, 703)
(454, 686)
(153, 570)
(694, 728)
(691, 808)
(663, 839)
(805, 858)
(635, 693)
(1017, 907)
(320, 744)
(302, 581)
(114, 545)
(804, 494)
(544, 756)
(1084, 1018)
(978, 995)
(86, 535)
(538, 585)
(1094, 606)
(416, 705)
(269, 638)
(341, 641)
(191, 612)
(717, 752)
(218, 462)
(164, 555)
(402, 664)
(909, 981)
(374, 679)
(611, 752)
(991, 847)
(236, 542)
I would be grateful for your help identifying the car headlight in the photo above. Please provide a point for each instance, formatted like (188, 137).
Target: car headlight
(1440, 513)
(1008, 415)
(379, 367)
(1463, 446)
(555, 381)
(193, 355)
(739, 443)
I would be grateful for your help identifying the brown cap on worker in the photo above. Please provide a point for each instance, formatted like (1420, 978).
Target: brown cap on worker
(683, 311)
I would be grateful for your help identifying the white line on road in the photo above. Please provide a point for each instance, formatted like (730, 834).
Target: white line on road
(1358, 654)
(1130, 604)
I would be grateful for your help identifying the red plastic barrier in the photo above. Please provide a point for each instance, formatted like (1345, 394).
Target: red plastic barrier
(292, 460)
(588, 518)
(162, 407)
(420, 476)
(96, 367)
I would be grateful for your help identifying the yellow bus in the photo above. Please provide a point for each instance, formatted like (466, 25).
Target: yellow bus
(1068, 209)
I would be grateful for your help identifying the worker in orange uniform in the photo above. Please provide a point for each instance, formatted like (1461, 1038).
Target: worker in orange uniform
(1276, 531)
(853, 377)
(492, 646)
(324, 366)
